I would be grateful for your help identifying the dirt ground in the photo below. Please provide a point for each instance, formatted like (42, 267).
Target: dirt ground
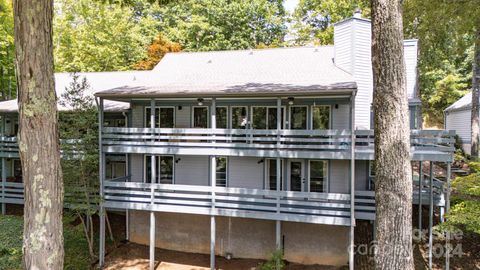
(132, 256)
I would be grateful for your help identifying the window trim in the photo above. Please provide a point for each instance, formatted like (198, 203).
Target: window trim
(329, 116)
(192, 115)
(326, 184)
(266, 115)
(158, 173)
(290, 116)
(158, 116)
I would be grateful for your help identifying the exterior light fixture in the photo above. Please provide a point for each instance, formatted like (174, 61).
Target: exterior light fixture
(290, 100)
(200, 101)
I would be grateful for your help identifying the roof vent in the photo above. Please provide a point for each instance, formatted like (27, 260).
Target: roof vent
(250, 52)
(209, 61)
(357, 13)
(316, 49)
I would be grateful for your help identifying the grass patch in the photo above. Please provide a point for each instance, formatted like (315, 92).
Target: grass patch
(11, 232)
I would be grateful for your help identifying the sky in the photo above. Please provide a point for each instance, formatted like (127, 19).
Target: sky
(290, 5)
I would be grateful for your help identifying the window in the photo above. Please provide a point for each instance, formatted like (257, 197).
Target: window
(318, 175)
(298, 117)
(17, 170)
(265, 117)
(115, 169)
(221, 175)
(272, 174)
(164, 117)
(239, 117)
(320, 117)
(259, 117)
(222, 117)
(167, 117)
(200, 117)
(164, 169)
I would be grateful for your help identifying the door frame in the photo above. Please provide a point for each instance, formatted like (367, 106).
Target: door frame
(303, 174)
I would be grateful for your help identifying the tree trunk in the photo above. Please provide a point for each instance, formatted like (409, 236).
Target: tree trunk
(393, 182)
(38, 136)
(475, 95)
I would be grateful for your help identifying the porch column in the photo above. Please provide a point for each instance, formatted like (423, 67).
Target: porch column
(420, 185)
(352, 184)
(278, 225)
(213, 182)
(430, 218)
(152, 192)
(447, 209)
(101, 212)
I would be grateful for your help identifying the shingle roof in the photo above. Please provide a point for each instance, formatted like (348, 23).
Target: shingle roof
(463, 103)
(241, 72)
(97, 81)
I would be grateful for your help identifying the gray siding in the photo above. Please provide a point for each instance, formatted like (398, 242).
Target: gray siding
(341, 117)
(339, 181)
(136, 167)
(137, 116)
(192, 170)
(245, 172)
(182, 117)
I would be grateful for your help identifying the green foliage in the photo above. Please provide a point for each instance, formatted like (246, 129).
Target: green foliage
(98, 36)
(446, 50)
(76, 251)
(313, 19)
(275, 262)
(7, 51)
(204, 25)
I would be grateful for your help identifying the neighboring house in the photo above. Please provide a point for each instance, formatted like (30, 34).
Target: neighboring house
(458, 118)
(115, 116)
(239, 153)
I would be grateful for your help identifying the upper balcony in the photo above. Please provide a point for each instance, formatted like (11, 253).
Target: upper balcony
(432, 145)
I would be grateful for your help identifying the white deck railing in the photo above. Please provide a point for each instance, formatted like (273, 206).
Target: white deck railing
(323, 208)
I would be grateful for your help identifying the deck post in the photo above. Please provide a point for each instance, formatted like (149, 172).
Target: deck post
(153, 180)
(101, 214)
(278, 223)
(4, 206)
(430, 219)
(352, 185)
(213, 183)
(420, 185)
(447, 209)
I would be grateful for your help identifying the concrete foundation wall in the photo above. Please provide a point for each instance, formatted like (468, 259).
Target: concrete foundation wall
(243, 238)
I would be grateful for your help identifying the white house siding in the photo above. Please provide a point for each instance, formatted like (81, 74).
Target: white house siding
(192, 170)
(341, 117)
(245, 172)
(342, 38)
(182, 117)
(411, 54)
(460, 122)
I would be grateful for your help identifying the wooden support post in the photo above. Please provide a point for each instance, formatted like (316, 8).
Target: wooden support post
(213, 183)
(101, 258)
(352, 185)
(430, 218)
(447, 209)
(153, 178)
(420, 185)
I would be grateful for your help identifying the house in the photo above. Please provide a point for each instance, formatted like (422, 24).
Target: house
(115, 116)
(240, 153)
(458, 117)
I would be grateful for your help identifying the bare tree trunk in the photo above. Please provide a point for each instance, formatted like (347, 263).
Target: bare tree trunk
(475, 95)
(393, 186)
(38, 136)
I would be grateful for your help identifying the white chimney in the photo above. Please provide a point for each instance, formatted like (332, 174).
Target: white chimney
(352, 42)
